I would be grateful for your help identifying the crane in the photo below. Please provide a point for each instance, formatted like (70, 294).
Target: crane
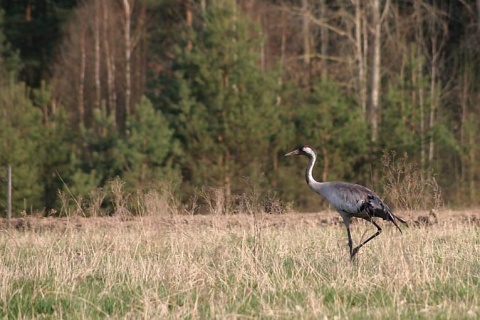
(349, 199)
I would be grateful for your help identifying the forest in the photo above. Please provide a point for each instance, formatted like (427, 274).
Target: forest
(202, 95)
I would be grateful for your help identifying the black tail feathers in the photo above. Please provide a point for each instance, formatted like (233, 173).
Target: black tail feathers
(377, 208)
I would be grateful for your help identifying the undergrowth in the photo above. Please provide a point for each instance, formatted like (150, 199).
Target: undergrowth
(407, 186)
(115, 199)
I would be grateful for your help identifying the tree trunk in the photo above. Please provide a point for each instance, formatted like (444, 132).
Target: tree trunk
(306, 32)
(263, 62)
(433, 98)
(139, 50)
(366, 46)
(419, 76)
(81, 80)
(463, 127)
(468, 140)
(275, 168)
(28, 12)
(421, 102)
(284, 40)
(478, 15)
(128, 53)
(403, 78)
(110, 65)
(324, 38)
(96, 39)
(362, 78)
(402, 93)
(189, 19)
(473, 143)
(227, 181)
(375, 93)
(474, 139)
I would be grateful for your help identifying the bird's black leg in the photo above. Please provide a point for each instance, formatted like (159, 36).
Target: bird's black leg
(379, 230)
(350, 242)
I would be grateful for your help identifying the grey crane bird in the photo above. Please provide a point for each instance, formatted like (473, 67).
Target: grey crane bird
(349, 199)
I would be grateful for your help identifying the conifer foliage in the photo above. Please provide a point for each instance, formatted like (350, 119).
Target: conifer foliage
(223, 105)
(209, 95)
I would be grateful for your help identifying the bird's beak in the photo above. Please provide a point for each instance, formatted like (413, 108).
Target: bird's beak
(294, 152)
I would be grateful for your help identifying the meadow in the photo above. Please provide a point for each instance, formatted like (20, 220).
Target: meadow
(263, 266)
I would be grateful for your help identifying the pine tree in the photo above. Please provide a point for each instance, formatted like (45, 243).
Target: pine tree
(20, 133)
(21, 137)
(221, 104)
(10, 63)
(33, 28)
(330, 121)
(146, 148)
(95, 157)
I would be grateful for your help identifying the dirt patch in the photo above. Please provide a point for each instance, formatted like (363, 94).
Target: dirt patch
(290, 220)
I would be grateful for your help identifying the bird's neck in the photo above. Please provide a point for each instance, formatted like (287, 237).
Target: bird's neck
(309, 172)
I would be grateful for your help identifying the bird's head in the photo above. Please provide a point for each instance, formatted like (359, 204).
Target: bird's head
(303, 150)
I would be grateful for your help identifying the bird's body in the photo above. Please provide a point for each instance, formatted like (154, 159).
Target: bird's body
(353, 200)
(349, 199)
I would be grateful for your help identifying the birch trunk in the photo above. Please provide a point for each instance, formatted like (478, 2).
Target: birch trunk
(110, 65)
(128, 53)
(421, 91)
(375, 93)
(362, 80)
(306, 32)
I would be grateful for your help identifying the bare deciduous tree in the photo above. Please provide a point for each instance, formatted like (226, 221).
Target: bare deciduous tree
(127, 10)
(109, 63)
(306, 32)
(102, 59)
(361, 47)
(376, 65)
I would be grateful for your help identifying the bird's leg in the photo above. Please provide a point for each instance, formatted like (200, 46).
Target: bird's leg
(350, 242)
(355, 250)
(346, 221)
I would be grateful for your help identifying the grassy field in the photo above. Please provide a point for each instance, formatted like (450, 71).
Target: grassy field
(263, 266)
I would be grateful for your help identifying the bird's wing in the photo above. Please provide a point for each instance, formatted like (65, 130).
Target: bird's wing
(375, 207)
(356, 199)
(346, 197)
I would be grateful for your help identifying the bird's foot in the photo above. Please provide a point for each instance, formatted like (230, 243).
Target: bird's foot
(354, 253)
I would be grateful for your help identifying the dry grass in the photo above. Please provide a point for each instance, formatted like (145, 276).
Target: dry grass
(408, 186)
(242, 266)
